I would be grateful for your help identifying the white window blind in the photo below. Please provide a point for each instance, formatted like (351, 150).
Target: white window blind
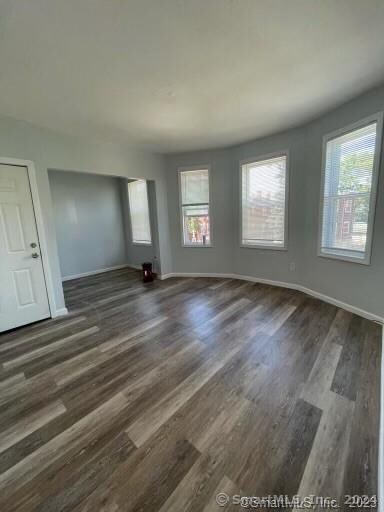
(263, 201)
(194, 195)
(348, 181)
(139, 211)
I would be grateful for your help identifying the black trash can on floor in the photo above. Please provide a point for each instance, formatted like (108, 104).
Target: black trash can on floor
(147, 272)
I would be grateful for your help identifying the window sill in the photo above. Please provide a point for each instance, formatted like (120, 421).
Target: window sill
(342, 257)
(265, 247)
(142, 244)
(198, 246)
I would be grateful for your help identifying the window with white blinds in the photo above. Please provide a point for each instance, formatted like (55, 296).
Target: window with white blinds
(348, 193)
(264, 187)
(194, 199)
(139, 212)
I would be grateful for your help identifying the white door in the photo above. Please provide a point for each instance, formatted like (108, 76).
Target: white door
(23, 295)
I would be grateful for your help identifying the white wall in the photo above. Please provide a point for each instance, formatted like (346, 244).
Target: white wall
(352, 283)
(49, 150)
(90, 229)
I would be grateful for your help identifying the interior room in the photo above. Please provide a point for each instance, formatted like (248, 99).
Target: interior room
(97, 227)
(191, 255)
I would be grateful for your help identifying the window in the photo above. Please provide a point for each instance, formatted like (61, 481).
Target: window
(348, 191)
(264, 191)
(139, 210)
(348, 206)
(346, 227)
(194, 194)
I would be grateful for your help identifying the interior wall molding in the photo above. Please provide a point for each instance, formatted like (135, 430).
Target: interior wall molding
(60, 312)
(94, 272)
(283, 284)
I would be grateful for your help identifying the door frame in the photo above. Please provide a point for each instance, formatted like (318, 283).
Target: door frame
(31, 172)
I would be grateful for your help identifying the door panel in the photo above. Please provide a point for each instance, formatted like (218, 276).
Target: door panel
(7, 184)
(13, 229)
(23, 294)
(24, 287)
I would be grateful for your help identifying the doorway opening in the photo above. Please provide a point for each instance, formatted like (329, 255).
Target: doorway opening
(103, 223)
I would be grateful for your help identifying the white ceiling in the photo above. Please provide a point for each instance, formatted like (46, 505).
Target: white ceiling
(184, 74)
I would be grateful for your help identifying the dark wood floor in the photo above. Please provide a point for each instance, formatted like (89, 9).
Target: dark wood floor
(159, 396)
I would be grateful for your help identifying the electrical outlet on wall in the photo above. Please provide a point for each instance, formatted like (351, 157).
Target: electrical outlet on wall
(292, 266)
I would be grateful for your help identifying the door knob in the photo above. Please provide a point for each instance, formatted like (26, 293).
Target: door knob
(35, 255)
(33, 245)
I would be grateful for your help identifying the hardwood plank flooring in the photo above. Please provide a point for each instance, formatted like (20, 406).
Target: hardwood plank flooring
(159, 396)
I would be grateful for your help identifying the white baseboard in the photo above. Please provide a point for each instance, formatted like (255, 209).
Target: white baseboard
(343, 305)
(194, 274)
(380, 483)
(94, 272)
(60, 312)
(282, 284)
(136, 267)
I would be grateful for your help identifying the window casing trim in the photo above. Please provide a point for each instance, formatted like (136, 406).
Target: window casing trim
(187, 168)
(335, 253)
(260, 158)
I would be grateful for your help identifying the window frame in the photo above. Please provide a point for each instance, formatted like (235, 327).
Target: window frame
(374, 118)
(180, 170)
(256, 159)
(133, 242)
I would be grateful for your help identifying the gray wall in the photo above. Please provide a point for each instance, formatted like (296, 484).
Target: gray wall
(355, 284)
(266, 263)
(219, 257)
(89, 223)
(50, 150)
